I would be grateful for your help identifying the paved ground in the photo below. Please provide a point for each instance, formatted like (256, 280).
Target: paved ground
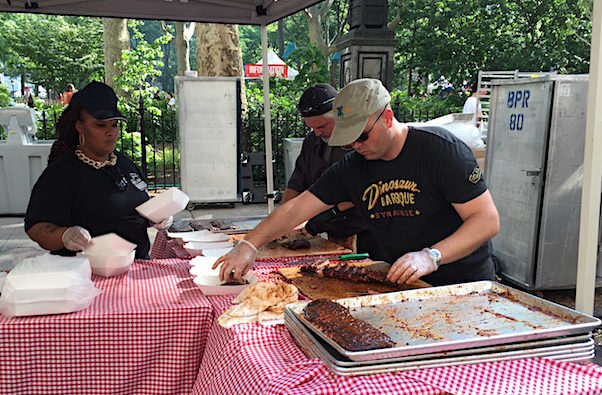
(15, 245)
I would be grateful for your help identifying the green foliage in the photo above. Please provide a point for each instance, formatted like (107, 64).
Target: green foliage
(409, 109)
(457, 38)
(141, 64)
(314, 66)
(4, 95)
(51, 51)
(47, 114)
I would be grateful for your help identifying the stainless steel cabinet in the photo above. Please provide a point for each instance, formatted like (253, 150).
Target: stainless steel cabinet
(534, 170)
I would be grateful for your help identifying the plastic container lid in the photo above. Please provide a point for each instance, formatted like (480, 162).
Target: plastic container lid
(164, 205)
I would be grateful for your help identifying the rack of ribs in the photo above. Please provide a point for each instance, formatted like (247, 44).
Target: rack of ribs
(335, 321)
(347, 272)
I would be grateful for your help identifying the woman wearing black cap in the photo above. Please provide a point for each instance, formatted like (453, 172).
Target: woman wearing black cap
(88, 189)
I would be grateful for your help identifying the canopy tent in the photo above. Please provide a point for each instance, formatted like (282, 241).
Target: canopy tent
(249, 12)
(267, 11)
(246, 12)
(273, 58)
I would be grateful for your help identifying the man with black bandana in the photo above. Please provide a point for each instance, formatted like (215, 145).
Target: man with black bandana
(341, 221)
(420, 191)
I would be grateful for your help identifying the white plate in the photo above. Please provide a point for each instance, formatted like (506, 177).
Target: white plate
(164, 205)
(216, 252)
(210, 285)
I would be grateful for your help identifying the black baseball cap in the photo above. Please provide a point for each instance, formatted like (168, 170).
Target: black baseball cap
(99, 100)
(317, 100)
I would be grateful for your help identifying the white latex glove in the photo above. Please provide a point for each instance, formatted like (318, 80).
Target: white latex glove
(237, 262)
(76, 238)
(411, 267)
(166, 223)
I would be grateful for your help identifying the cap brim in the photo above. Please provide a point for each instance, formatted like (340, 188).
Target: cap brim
(108, 116)
(346, 132)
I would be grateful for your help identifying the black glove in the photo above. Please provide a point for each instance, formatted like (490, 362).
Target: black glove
(336, 223)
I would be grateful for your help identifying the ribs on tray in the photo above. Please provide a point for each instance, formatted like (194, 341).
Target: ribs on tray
(337, 323)
(347, 272)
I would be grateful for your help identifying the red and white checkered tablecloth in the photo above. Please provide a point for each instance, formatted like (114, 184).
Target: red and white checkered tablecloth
(164, 247)
(253, 359)
(145, 334)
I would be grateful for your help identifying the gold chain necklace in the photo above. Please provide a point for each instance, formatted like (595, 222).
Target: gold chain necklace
(95, 163)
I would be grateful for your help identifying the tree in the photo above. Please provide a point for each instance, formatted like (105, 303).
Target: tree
(116, 40)
(184, 33)
(218, 53)
(51, 51)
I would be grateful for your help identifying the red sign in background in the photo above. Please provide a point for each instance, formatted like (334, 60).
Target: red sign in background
(274, 70)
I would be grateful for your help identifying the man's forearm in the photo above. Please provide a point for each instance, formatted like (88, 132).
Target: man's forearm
(286, 218)
(475, 231)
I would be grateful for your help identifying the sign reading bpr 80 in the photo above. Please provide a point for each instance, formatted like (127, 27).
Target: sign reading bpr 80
(518, 99)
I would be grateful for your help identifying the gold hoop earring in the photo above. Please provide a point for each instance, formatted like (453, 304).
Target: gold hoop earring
(82, 140)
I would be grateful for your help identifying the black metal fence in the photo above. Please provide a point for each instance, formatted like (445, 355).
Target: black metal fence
(160, 161)
(154, 130)
(290, 124)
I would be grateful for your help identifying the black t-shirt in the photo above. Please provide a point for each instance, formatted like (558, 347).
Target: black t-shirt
(70, 192)
(316, 156)
(406, 202)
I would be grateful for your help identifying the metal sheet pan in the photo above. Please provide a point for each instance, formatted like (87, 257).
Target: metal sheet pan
(453, 317)
(299, 330)
(572, 355)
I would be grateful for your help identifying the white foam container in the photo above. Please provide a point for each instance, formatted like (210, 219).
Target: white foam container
(204, 236)
(43, 308)
(47, 284)
(210, 284)
(111, 265)
(195, 248)
(164, 205)
(110, 255)
(216, 252)
(109, 242)
(202, 261)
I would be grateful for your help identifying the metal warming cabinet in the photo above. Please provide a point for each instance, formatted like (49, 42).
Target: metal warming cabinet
(534, 170)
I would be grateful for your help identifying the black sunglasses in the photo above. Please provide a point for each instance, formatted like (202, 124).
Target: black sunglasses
(308, 111)
(118, 178)
(364, 136)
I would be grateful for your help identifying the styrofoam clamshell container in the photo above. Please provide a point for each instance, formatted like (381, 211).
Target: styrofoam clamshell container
(202, 261)
(212, 285)
(48, 284)
(110, 255)
(216, 252)
(111, 265)
(195, 248)
(163, 205)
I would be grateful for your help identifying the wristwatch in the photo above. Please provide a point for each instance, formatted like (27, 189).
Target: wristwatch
(435, 256)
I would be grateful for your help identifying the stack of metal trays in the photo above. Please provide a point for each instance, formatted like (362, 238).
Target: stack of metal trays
(451, 325)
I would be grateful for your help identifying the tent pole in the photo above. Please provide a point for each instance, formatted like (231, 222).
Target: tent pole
(267, 118)
(592, 174)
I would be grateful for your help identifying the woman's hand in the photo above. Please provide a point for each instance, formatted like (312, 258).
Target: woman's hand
(166, 223)
(76, 238)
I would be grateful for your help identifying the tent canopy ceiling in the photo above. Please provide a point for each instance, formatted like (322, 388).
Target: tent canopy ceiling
(248, 12)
